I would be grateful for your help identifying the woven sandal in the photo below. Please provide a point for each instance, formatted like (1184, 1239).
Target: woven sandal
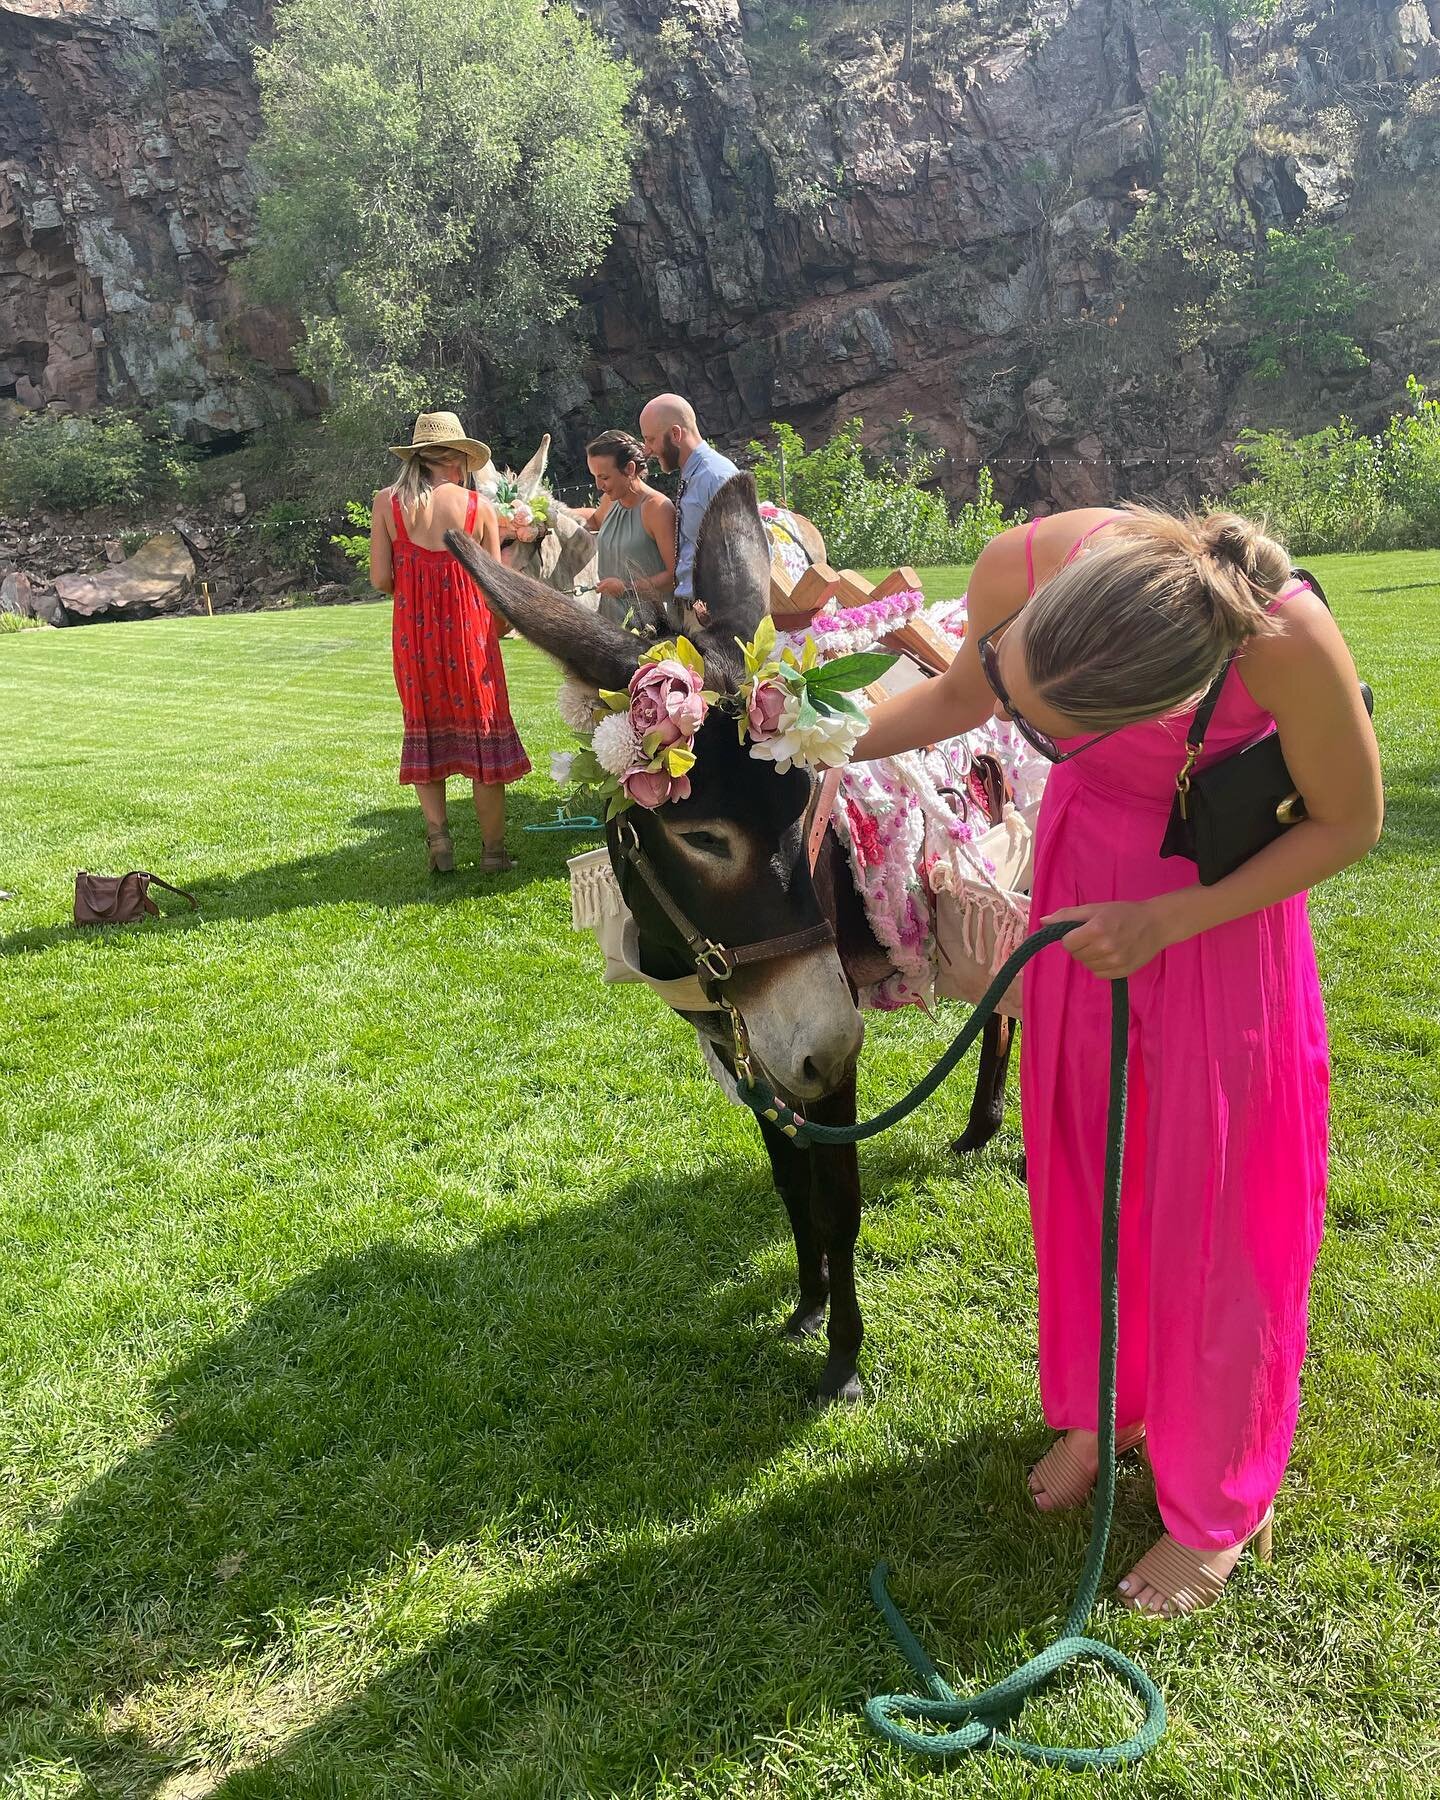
(1066, 1477)
(496, 862)
(1181, 1578)
(441, 849)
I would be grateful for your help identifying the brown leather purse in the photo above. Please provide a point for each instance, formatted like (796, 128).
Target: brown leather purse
(118, 899)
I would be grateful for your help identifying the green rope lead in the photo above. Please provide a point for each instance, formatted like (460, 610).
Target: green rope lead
(981, 1721)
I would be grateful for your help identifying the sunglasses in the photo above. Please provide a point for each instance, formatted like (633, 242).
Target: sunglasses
(1036, 738)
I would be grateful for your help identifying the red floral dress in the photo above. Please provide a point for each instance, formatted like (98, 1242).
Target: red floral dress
(448, 669)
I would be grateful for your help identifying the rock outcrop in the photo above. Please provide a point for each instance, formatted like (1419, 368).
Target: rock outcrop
(156, 579)
(125, 197)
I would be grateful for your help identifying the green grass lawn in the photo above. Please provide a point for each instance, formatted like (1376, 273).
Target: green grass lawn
(392, 1401)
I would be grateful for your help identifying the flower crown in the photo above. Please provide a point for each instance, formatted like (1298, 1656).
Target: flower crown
(521, 519)
(794, 711)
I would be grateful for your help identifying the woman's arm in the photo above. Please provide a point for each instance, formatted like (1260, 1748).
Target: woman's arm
(961, 698)
(382, 567)
(658, 518)
(1305, 677)
(487, 528)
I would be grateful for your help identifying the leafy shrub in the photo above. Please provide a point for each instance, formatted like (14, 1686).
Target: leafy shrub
(10, 621)
(1302, 301)
(355, 548)
(72, 463)
(1321, 492)
(1340, 490)
(875, 513)
(293, 534)
(1188, 244)
(1410, 454)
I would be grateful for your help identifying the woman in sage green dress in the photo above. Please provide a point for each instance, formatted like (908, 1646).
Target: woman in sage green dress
(636, 528)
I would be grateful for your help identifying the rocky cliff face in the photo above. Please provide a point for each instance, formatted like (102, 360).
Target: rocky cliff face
(824, 227)
(822, 224)
(124, 200)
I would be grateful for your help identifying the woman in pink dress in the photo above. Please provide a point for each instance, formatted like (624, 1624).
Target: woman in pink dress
(446, 649)
(1097, 632)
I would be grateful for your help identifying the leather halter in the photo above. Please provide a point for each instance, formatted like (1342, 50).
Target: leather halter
(716, 963)
(713, 961)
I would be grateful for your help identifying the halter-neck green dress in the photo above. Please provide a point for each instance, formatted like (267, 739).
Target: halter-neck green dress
(626, 552)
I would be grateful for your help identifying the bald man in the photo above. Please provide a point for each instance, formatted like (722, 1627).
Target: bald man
(672, 436)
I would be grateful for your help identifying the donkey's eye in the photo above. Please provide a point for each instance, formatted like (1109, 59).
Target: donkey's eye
(708, 843)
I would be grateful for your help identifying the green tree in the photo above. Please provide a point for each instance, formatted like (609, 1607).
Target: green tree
(1222, 16)
(438, 180)
(1188, 242)
(1302, 301)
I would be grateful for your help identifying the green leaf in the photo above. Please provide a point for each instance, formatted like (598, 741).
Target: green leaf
(842, 703)
(757, 651)
(849, 672)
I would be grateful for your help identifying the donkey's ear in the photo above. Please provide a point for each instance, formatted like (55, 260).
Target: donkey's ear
(530, 477)
(594, 648)
(732, 562)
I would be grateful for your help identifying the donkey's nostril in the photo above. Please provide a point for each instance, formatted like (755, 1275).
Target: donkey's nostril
(813, 1075)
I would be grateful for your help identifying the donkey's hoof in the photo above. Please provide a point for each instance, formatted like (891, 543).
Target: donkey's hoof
(840, 1390)
(807, 1320)
(976, 1135)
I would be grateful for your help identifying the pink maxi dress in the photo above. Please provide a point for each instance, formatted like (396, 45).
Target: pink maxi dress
(1225, 1158)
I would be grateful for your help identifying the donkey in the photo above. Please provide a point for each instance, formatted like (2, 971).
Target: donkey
(721, 884)
(564, 553)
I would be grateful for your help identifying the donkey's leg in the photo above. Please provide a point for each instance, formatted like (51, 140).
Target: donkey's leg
(790, 1167)
(987, 1108)
(835, 1170)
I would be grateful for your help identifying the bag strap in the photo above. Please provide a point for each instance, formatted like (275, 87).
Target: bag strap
(1205, 711)
(1313, 585)
(184, 893)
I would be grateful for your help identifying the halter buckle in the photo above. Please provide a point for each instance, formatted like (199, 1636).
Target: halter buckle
(714, 960)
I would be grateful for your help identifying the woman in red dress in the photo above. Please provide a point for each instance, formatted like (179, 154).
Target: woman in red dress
(446, 648)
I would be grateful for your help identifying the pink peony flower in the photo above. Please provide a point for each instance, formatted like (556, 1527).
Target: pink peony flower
(653, 787)
(665, 698)
(767, 702)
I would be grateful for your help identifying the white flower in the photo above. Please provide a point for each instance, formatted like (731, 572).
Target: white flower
(824, 743)
(560, 762)
(617, 745)
(577, 704)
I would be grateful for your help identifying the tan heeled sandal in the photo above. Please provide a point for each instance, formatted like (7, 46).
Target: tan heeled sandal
(1181, 1578)
(497, 862)
(1067, 1478)
(441, 848)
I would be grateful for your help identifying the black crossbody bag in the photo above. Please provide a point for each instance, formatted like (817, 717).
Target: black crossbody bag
(1223, 815)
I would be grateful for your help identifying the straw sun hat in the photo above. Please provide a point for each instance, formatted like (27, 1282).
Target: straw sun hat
(442, 431)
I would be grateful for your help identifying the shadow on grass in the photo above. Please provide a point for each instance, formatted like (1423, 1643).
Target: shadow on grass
(384, 865)
(581, 1396)
(1412, 814)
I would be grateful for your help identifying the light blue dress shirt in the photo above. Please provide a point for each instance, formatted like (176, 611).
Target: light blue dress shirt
(703, 476)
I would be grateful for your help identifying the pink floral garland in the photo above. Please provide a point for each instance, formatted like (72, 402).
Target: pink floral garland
(897, 825)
